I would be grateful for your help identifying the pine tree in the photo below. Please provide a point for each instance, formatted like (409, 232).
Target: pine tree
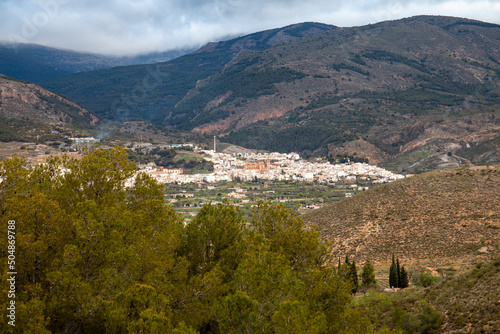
(368, 274)
(344, 270)
(346, 262)
(403, 278)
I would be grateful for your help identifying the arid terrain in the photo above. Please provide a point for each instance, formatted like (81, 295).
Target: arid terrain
(450, 216)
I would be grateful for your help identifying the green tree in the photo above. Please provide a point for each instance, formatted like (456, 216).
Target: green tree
(84, 240)
(393, 274)
(213, 238)
(404, 280)
(237, 313)
(286, 233)
(139, 309)
(430, 319)
(267, 277)
(354, 277)
(295, 317)
(350, 273)
(99, 176)
(368, 274)
(398, 272)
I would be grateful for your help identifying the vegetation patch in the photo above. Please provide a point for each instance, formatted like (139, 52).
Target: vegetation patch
(108, 259)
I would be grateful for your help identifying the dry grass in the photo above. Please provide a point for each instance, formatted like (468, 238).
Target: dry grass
(447, 217)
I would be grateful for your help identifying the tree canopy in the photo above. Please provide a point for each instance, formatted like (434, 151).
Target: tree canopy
(94, 256)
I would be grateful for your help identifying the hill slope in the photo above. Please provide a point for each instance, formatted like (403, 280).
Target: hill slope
(470, 300)
(460, 303)
(153, 91)
(424, 83)
(28, 111)
(451, 214)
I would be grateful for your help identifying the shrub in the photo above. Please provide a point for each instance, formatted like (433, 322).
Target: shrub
(425, 320)
(425, 280)
(430, 319)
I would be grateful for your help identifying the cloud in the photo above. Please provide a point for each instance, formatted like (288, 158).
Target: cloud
(122, 27)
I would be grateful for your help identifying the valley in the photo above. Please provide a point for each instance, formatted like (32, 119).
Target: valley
(220, 189)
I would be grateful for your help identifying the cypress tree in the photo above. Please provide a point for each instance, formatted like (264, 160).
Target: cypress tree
(344, 270)
(398, 272)
(354, 277)
(393, 275)
(404, 280)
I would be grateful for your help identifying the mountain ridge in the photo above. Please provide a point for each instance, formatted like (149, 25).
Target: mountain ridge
(116, 98)
(400, 86)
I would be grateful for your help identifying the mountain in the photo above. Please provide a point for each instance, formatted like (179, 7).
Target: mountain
(152, 92)
(424, 84)
(28, 111)
(442, 216)
(414, 93)
(38, 63)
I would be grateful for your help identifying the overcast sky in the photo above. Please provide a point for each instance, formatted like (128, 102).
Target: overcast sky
(127, 27)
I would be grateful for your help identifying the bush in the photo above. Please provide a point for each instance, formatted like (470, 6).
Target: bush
(425, 320)
(425, 280)
(430, 319)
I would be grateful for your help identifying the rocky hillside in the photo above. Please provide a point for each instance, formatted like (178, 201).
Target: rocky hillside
(113, 93)
(452, 214)
(425, 84)
(28, 111)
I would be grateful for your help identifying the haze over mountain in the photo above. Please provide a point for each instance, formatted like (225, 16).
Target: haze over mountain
(424, 84)
(37, 63)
